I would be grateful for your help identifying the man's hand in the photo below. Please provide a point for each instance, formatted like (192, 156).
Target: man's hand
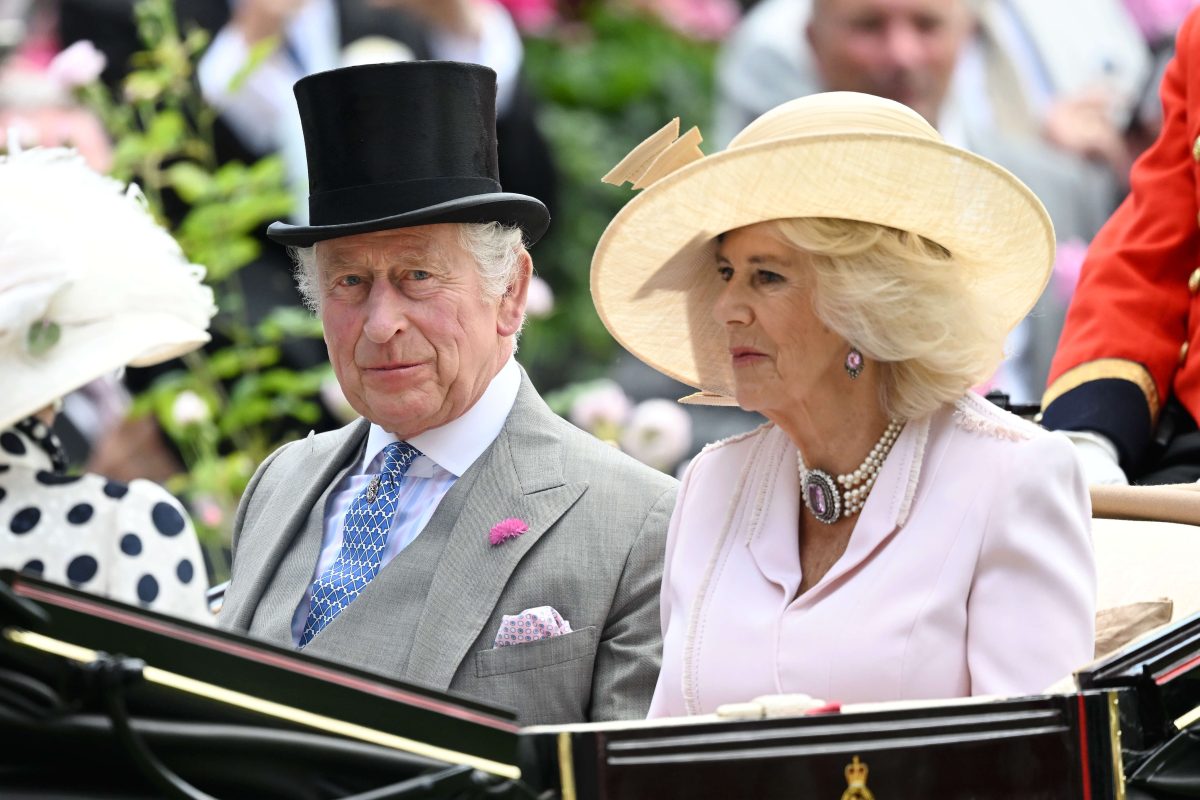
(1098, 457)
(259, 19)
(1083, 125)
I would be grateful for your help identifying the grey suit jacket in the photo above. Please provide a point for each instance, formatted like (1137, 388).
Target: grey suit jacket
(597, 526)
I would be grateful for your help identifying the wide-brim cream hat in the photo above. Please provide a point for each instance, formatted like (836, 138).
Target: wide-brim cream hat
(89, 283)
(839, 154)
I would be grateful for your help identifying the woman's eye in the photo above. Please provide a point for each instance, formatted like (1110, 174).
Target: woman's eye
(350, 280)
(725, 273)
(419, 275)
(766, 276)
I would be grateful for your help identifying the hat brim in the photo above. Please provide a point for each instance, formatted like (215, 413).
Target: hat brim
(86, 352)
(646, 276)
(527, 213)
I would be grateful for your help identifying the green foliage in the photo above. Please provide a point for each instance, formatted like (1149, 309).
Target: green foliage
(606, 81)
(228, 406)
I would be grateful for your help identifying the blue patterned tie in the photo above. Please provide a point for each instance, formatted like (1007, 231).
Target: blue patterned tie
(364, 538)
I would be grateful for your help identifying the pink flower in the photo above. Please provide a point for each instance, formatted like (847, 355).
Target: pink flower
(78, 65)
(510, 528)
(209, 512)
(601, 409)
(540, 300)
(531, 16)
(1068, 261)
(659, 433)
(1158, 18)
(706, 20)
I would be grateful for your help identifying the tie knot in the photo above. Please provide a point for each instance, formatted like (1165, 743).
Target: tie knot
(397, 458)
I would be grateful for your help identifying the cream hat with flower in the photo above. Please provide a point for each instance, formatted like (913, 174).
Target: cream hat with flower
(838, 154)
(89, 283)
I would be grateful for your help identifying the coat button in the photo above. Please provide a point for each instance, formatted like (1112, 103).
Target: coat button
(1196, 149)
(1194, 281)
(1183, 348)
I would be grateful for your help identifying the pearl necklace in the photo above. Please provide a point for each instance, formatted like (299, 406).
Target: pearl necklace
(821, 494)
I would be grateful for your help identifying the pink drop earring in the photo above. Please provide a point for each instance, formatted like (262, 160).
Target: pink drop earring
(854, 362)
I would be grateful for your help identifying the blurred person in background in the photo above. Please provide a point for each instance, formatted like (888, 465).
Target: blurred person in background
(1125, 386)
(889, 533)
(89, 283)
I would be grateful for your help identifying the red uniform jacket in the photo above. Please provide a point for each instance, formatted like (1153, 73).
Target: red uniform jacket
(1124, 347)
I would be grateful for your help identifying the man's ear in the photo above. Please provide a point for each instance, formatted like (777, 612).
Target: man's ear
(511, 313)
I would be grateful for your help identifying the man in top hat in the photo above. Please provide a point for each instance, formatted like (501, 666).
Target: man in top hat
(460, 535)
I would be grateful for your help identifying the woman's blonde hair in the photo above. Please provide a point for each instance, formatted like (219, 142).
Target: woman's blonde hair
(905, 303)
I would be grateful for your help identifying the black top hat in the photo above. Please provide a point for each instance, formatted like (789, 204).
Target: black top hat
(403, 144)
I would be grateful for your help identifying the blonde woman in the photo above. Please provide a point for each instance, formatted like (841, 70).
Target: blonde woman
(888, 534)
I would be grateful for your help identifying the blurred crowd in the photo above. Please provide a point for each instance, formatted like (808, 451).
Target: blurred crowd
(1062, 94)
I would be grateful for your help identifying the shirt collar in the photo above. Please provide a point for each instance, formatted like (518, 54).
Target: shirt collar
(456, 445)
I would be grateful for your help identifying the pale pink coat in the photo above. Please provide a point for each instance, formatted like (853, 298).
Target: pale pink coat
(970, 571)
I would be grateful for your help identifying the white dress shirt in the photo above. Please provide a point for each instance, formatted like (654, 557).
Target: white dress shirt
(446, 453)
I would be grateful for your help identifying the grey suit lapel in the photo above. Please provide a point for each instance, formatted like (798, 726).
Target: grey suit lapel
(519, 476)
(307, 480)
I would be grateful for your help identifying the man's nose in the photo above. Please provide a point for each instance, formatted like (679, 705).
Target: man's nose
(904, 46)
(386, 312)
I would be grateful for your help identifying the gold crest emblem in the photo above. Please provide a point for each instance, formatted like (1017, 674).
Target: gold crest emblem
(856, 782)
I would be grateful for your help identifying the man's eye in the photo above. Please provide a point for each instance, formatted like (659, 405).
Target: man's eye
(419, 275)
(350, 280)
(726, 273)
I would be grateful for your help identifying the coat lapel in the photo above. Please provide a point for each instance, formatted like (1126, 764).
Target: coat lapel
(261, 551)
(777, 481)
(886, 509)
(519, 476)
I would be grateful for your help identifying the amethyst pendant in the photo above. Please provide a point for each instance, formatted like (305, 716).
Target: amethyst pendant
(821, 496)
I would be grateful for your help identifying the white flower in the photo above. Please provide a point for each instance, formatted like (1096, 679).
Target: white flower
(334, 399)
(540, 300)
(78, 65)
(189, 408)
(659, 433)
(601, 409)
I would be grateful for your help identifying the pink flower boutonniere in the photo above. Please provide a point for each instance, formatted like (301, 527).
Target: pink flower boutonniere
(510, 528)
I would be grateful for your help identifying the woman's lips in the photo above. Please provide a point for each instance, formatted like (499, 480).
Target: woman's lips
(745, 356)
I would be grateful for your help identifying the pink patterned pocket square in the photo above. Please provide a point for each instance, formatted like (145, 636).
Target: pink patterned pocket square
(530, 625)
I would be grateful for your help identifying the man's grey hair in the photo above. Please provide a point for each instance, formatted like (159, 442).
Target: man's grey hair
(495, 248)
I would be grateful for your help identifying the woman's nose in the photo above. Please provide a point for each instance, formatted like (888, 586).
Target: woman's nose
(731, 307)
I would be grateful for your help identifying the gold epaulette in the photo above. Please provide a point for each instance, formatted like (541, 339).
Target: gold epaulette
(1100, 369)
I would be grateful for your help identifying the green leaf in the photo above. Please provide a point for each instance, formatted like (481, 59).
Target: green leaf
(166, 131)
(191, 181)
(143, 86)
(259, 52)
(288, 323)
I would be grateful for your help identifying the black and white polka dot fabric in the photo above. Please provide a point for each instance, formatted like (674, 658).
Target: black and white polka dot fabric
(133, 543)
